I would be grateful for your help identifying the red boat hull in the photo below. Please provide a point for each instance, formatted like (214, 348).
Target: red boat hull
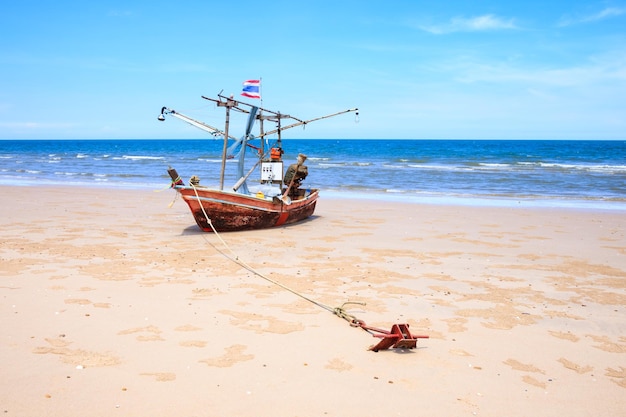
(229, 211)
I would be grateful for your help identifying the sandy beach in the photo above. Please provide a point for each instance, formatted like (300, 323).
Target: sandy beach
(114, 303)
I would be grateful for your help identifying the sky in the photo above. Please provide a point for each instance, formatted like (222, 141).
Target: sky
(415, 69)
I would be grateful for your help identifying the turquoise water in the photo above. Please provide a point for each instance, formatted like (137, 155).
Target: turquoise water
(497, 172)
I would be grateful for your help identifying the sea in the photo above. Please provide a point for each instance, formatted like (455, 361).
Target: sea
(532, 173)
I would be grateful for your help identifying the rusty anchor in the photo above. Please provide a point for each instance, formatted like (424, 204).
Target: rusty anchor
(399, 337)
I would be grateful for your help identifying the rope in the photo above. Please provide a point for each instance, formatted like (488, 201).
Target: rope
(172, 184)
(339, 311)
(208, 219)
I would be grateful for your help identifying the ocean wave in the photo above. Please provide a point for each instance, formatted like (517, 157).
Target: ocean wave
(488, 200)
(493, 165)
(603, 168)
(141, 157)
(390, 166)
(435, 167)
(511, 167)
(344, 164)
(401, 168)
(68, 174)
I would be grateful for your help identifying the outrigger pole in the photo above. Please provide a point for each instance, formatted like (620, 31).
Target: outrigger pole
(196, 123)
(304, 122)
(275, 116)
(230, 103)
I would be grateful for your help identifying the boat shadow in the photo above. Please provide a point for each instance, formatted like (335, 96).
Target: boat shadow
(195, 230)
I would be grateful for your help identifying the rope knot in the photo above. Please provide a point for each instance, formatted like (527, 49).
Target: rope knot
(341, 312)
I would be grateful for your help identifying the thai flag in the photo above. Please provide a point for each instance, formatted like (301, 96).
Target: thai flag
(252, 88)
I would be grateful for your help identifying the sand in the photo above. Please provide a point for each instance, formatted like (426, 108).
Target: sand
(114, 304)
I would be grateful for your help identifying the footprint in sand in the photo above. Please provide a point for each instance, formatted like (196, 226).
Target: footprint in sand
(188, 328)
(564, 335)
(160, 376)
(80, 301)
(337, 364)
(78, 357)
(519, 366)
(607, 345)
(617, 375)
(234, 354)
(261, 323)
(193, 343)
(150, 333)
(575, 367)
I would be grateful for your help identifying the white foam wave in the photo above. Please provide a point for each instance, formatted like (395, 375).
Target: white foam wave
(141, 157)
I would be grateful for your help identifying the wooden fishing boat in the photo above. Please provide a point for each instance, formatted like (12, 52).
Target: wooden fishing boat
(280, 200)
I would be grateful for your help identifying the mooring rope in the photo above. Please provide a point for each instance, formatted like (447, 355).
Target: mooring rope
(399, 335)
(169, 187)
(235, 258)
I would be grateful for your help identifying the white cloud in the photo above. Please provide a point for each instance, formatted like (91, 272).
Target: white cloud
(607, 13)
(600, 72)
(593, 73)
(482, 23)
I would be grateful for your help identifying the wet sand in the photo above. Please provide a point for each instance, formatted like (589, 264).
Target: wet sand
(114, 303)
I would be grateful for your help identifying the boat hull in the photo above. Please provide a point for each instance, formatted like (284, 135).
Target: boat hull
(229, 211)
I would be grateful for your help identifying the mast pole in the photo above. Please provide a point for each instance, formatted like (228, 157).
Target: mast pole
(260, 116)
(228, 104)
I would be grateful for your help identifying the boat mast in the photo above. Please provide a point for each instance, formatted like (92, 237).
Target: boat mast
(260, 117)
(273, 116)
(229, 103)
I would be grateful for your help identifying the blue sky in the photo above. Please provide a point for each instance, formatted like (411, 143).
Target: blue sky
(416, 69)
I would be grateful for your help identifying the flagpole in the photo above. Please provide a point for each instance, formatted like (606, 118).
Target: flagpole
(261, 114)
